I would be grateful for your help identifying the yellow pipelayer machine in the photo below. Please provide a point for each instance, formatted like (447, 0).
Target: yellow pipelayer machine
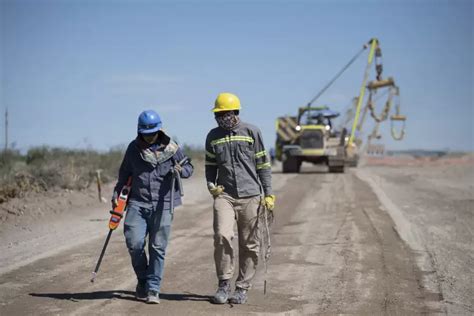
(311, 137)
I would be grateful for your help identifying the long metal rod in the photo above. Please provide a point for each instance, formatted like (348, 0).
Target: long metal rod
(175, 175)
(267, 250)
(94, 274)
(173, 181)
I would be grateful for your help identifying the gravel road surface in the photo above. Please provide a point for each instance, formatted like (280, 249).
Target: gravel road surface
(376, 240)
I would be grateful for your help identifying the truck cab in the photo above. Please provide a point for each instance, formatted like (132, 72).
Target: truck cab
(310, 137)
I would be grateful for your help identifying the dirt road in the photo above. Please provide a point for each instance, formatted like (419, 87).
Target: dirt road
(342, 243)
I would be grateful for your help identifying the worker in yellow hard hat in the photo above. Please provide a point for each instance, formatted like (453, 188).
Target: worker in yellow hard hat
(238, 171)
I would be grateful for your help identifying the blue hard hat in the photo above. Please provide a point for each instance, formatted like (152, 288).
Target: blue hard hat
(149, 122)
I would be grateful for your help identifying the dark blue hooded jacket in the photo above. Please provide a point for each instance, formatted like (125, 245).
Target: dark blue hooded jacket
(151, 182)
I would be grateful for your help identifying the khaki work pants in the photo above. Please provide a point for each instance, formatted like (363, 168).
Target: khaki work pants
(227, 210)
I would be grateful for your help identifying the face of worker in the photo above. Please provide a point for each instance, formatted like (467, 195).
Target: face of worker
(227, 119)
(225, 114)
(150, 138)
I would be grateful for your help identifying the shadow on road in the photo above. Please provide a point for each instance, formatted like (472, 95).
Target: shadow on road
(97, 295)
(302, 172)
(124, 295)
(185, 297)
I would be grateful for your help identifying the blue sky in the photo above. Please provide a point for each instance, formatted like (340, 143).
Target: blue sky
(78, 73)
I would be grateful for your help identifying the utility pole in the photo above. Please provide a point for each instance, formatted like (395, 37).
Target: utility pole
(6, 129)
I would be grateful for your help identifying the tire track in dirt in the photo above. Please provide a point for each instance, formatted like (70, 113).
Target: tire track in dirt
(378, 239)
(401, 279)
(406, 230)
(352, 274)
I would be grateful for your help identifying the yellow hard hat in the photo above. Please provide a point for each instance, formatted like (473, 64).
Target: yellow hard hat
(226, 102)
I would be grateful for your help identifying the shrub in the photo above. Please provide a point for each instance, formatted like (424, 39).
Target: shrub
(44, 168)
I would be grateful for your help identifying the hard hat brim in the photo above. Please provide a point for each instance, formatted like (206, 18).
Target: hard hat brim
(149, 131)
(223, 110)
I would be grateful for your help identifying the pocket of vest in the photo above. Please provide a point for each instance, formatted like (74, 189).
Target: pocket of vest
(221, 154)
(245, 151)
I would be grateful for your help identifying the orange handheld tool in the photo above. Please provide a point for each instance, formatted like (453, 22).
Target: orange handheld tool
(117, 214)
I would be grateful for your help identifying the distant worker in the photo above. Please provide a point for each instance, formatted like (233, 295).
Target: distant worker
(237, 168)
(150, 160)
(320, 119)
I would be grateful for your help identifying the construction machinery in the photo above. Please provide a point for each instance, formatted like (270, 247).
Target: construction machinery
(311, 136)
(378, 86)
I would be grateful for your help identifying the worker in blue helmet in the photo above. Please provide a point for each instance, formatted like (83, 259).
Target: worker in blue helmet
(152, 160)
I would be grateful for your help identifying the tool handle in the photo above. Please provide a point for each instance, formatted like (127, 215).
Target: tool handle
(177, 175)
(94, 274)
(117, 212)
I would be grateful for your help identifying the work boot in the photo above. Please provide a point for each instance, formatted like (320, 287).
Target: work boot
(239, 296)
(153, 297)
(222, 293)
(140, 290)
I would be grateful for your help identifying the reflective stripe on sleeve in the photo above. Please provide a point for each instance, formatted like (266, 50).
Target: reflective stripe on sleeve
(210, 155)
(260, 154)
(264, 165)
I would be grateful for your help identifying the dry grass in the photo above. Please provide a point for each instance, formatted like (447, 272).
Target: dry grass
(45, 168)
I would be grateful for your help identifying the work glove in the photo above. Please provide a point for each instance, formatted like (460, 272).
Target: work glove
(215, 190)
(269, 202)
(178, 168)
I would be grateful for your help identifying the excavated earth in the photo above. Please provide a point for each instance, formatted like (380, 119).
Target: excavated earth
(385, 239)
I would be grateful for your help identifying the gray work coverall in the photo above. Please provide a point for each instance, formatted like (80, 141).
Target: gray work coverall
(238, 161)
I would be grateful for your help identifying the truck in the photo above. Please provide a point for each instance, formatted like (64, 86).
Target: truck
(310, 137)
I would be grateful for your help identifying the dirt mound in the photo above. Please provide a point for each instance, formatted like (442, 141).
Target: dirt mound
(40, 206)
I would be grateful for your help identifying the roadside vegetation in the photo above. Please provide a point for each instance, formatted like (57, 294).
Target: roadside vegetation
(46, 168)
